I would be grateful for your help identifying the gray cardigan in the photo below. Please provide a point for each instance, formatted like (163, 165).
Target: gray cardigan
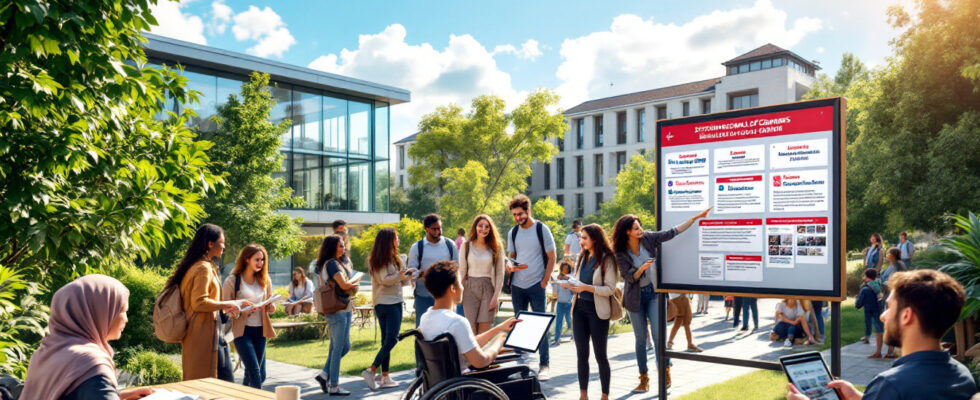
(631, 287)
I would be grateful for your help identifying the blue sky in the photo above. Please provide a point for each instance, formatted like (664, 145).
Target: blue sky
(451, 51)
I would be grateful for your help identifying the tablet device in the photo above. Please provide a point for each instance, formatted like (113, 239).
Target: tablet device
(527, 335)
(809, 373)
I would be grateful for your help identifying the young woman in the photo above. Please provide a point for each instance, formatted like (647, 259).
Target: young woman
(872, 253)
(388, 275)
(635, 253)
(251, 328)
(332, 267)
(895, 264)
(596, 272)
(300, 294)
(74, 361)
(790, 322)
(683, 320)
(200, 290)
(481, 270)
(563, 311)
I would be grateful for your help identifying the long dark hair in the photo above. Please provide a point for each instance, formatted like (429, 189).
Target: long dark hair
(195, 251)
(600, 246)
(384, 251)
(328, 250)
(621, 232)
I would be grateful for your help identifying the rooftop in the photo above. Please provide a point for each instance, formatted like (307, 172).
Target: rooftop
(645, 96)
(408, 139)
(765, 51)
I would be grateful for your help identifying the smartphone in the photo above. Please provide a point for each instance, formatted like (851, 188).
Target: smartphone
(809, 373)
(516, 263)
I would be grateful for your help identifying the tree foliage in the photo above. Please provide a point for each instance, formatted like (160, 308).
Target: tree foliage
(636, 193)
(409, 231)
(552, 214)
(414, 203)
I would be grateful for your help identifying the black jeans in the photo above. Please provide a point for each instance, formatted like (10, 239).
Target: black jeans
(737, 306)
(585, 324)
(389, 321)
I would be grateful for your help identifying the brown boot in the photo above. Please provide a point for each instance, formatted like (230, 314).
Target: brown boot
(667, 377)
(644, 385)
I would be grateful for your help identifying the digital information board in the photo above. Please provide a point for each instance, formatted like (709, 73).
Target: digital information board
(773, 177)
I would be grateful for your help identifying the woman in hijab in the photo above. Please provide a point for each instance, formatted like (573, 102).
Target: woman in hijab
(74, 360)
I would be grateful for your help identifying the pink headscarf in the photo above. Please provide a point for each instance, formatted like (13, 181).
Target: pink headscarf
(75, 348)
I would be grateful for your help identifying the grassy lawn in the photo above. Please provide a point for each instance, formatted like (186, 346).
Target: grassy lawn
(763, 385)
(851, 325)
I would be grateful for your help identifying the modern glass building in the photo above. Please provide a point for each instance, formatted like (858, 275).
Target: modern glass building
(336, 151)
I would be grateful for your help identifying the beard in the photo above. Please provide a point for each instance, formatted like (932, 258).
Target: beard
(893, 333)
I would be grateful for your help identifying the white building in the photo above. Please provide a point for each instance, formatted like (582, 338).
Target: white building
(604, 133)
(402, 161)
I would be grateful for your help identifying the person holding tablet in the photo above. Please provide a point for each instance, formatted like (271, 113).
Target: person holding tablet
(442, 281)
(922, 306)
(592, 305)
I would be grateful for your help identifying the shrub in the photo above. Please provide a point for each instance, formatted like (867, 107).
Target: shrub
(144, 285)
(855, 278)
(151, 368)
(933, 258)
(307, 253)
(409, 231)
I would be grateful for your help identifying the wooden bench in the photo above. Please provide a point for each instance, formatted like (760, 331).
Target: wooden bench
(321, 326)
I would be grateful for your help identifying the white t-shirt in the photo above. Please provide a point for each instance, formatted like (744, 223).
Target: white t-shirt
(437, 321)
(790, 313)
(255, 294)
(572, 240)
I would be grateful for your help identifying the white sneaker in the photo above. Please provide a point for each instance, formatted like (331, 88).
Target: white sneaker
(369, 379)
(544, 373)
(387, 383)
(788, 343)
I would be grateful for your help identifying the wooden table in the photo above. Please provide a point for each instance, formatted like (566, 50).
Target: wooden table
(214, 389)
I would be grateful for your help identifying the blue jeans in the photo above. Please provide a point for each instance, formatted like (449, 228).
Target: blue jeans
(422, 304)
(389, 322)
(563, 313)
(339, 325)
(787, 330)
(872, 323)
(647, 316)
(750, 303)
(251, 348)
(535, 297)
(818, 312)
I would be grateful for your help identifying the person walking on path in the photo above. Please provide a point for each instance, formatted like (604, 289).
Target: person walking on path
(907, 249)
(750, 304)
(250, 281)
(531, 243)
(388, 276)
(300, 294)
(636, 250)
(572, 247)
(682, 320)
(481, 269)
(736, 311)
(872, 253)
(592, 305)
(334, 268)
(869, 299)
(563, 312)
(427, 251)
(200, 291)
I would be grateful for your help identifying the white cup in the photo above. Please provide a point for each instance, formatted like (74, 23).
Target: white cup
(287, 392)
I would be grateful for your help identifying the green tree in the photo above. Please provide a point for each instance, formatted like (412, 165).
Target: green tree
(636, 193)
(414, 203)
(503, 144)
(409, 231)
(552, 214)
(851, 70)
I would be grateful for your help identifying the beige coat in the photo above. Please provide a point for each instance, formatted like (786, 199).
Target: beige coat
(238, 322)
(200, 291)
(605, 287)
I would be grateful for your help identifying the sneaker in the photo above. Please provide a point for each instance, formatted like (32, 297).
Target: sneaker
(388, 383)
(773, 336)
(322, 380)
(544, 373)
(788, 343)
(369, 379)
(337, 391)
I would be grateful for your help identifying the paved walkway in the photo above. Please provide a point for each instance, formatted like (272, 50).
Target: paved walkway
(711, 333)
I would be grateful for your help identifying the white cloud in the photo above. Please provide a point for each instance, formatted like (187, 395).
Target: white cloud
(820, 50)
(173, 23)
(454, 74)
(530, 50)
(220, 17)
(266, 27)
(637, 54)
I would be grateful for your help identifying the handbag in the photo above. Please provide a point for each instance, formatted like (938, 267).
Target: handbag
(327, 298)
(615, 302)
(671, 311)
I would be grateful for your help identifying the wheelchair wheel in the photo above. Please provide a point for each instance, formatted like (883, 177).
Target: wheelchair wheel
(414, 391)
(464, 387)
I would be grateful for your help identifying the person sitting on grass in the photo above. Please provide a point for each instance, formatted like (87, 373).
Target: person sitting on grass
(868, 300)
(790, 322)
(442, 280)
(922, 306)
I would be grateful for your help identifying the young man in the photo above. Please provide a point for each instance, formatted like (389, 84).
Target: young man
(533, 246)
(442, 280)
(907, 249)
(572, 247)
(433, 247)
(922, 306)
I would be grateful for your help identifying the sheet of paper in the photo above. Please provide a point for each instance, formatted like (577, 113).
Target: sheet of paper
(165, 394)
(274, 299)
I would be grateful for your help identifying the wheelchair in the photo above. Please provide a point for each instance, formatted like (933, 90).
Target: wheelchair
(439, 375)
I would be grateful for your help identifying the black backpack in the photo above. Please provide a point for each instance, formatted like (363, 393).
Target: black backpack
(508, 278)
(420, 245)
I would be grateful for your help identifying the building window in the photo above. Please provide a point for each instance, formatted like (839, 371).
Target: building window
(580, 139)
(561, 143)
(686, 108)
(579, 205)
(706, 106)
(401, 181)
(743, 68)
(598, 170)
(335, 124)
(598, 132)
(561, 200)
(641, 126)
(661, 112)
(743, 101)
(560, 172)
(777, 62)
(598, 201)
(620, 161)
(621, 128)
(306, 179)
(579, 172)
(547, 176)
(401, 157)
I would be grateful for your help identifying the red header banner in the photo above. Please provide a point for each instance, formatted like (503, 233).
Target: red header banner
(818, 119)
(796, 221)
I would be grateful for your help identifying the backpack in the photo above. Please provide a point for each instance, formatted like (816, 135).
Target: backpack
(420, 245)
(169, 320)
(508, 278)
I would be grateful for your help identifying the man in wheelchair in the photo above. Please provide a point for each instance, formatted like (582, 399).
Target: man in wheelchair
(440, 327)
